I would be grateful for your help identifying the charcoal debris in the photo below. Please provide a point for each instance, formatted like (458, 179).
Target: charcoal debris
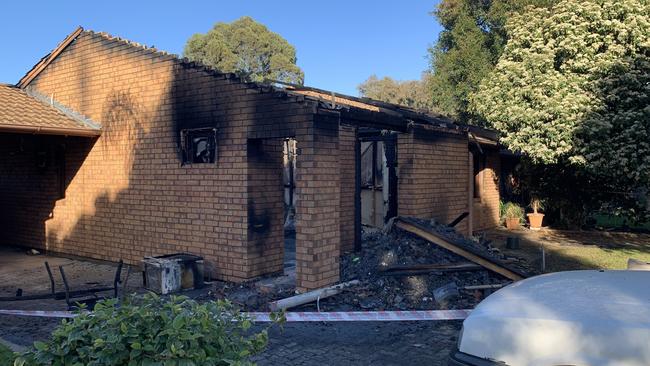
(383, 249)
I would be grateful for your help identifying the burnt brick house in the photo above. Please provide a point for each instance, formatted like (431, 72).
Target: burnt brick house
(111, 150)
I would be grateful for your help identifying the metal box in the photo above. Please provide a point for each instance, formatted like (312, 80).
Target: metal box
(171, 273)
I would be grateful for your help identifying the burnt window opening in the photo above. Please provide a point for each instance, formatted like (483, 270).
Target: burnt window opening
(199, 146)
(479, 166)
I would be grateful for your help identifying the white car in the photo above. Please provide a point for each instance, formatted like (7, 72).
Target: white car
(567, 318)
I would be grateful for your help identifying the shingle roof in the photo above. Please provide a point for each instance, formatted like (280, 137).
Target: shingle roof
(21, 112)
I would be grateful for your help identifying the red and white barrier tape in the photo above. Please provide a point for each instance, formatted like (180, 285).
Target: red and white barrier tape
(367, 316)
(39, 313)
(336, 316)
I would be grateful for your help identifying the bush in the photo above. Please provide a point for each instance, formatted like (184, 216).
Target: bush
(6, 356)
(151, 331)
(511, 210)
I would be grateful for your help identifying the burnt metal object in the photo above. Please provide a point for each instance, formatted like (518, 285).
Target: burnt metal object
(457, 220)
(49, 273)
(60, 295)
(92, 299)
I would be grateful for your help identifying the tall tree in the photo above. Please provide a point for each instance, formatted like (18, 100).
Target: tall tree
(410, 93)
(572, 88)
(248, 48)
(468, 47)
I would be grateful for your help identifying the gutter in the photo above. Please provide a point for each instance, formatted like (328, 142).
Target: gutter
(60, 131)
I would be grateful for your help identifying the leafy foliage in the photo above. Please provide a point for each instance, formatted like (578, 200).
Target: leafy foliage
(469, 46)
(571, 91)
(6, 356)
(545, 83)
(248, 48)
(411, 93)
(614, 138)
(511, 210)
(151, 331)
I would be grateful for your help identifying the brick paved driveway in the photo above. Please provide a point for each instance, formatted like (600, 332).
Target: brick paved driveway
(367, 343)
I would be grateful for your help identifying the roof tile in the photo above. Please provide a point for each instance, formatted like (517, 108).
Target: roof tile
(21, 112)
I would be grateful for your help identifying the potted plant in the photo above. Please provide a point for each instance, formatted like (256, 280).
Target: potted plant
(513, 215)
(535, 219)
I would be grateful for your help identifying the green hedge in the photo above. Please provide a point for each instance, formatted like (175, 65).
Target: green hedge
(151, 331)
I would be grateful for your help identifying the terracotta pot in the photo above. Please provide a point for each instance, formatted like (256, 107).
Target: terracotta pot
(535, 220)
(512, 223)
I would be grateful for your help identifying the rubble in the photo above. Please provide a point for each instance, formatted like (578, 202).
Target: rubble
(381, 251)
(450, 240)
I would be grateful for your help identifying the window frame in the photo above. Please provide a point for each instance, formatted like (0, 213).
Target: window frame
(187, 145)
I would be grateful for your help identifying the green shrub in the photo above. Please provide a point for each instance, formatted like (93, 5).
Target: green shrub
(151, 331)
(6, 356)
(511, 210)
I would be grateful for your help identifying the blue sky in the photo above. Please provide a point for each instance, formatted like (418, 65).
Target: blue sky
(339, 43)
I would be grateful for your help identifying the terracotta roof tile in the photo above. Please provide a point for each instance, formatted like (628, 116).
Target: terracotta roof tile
(21, 112)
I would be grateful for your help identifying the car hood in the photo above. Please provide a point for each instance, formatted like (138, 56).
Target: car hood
(567, 318)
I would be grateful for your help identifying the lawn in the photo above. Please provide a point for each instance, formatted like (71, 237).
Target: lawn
(570, 250)
(6, 356)
(611, 221)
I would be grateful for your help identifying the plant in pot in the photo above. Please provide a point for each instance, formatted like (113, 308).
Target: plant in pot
(535, 219)
(513, 215)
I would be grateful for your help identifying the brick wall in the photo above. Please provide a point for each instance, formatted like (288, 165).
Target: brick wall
(132, 198)
(433, 176)
(486, 208)
(347, 136)
(317, 212)
(265, 206)
(33, 176)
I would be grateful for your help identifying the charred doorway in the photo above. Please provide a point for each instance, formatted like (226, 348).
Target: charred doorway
(289, 153)
(378, 180)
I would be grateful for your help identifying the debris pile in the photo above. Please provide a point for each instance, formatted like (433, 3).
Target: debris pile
(380, 291)
(395, 270)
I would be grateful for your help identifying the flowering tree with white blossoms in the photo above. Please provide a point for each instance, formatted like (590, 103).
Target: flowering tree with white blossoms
(572, 87)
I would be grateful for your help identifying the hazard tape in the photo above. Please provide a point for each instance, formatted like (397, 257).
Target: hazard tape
(39, 313)
(367, 316)
(335, 316)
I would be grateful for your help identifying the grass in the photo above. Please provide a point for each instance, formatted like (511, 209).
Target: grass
(612, 221)
(570, 258)
(6, 356)
(572, 250)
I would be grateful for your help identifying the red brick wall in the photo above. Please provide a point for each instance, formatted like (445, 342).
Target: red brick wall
(433, 176)
(132, 198)
(317, 212)
(32, 177)
(265, 206)
(347, 135)
(486, 208)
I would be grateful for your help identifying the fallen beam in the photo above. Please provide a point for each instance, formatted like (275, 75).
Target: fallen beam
(420, 269)
(476, 257)
(310, 296)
